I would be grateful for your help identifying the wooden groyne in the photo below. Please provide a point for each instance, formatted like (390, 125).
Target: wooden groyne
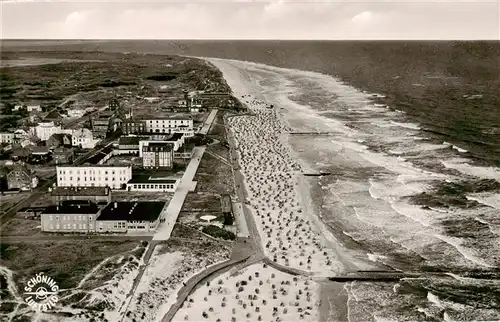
(388, 276)
(312, 133)
(317, 174)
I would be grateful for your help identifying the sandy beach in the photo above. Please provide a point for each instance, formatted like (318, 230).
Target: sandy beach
(359, 217)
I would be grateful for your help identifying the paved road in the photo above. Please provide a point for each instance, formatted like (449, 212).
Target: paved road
(34, 239)
(195, 280)
(174, 207)
(208, 122)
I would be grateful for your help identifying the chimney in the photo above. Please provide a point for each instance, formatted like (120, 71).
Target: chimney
(116, 205)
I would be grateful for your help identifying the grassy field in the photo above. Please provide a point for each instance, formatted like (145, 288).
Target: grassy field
(94, 78)
(218, 129)
(214, 176)
(65, 261)
(20, 226)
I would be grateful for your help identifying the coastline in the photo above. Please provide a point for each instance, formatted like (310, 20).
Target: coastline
(302, 187)
(357, 202)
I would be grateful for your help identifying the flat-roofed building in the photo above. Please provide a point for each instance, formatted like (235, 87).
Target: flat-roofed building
(152, 183)
(177, 139)
(115, 177)
(169, 124)
(185, 151)
(94, 194)
(130, 216)
(129, 145)
(158, 155)
(70, 216)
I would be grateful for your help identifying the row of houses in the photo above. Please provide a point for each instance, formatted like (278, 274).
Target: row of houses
(53, 136)
(84, 216)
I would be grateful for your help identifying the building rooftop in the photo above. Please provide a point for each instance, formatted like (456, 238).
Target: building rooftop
(61, 136)
(175, 137)
(62, 150)
(40, 150)
(158, 146)
(75, 207)
(82, 133)
(81, 191)
(129, 140)
(169, 117)
(132, 211)
(148, 179)
(100, 155)
(87, 165)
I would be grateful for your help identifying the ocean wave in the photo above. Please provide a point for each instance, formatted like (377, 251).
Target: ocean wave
(378, 160)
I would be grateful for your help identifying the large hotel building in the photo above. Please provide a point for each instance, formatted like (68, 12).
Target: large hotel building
(114, 177)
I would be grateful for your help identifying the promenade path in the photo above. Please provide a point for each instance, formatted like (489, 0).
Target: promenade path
(171, 213)
(195, 280)
(208, 122)
(239, 218)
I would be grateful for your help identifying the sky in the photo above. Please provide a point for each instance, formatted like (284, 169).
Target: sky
(228, 19)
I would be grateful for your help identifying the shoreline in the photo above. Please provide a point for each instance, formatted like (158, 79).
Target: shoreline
(303, 186)
(303, 191)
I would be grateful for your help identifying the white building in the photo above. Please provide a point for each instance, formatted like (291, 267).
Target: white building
(44, 130)
(152, 184)
(158, 155)
(29, 108)
(169, 125)
(177, 140)
(115, 177)
(83, 138)
(6, 137)
(34, 108)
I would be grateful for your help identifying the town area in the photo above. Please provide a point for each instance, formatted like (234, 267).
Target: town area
(116, 181)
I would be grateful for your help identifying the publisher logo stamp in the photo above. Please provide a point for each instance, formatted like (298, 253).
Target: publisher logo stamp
(41, 292)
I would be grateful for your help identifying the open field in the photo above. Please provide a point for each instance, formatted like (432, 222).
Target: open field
(171, 265)
(20, 226)
(147, 84)
(218, 129)
(10, 200)
(65, 261)
(214, 176)
(90, 287)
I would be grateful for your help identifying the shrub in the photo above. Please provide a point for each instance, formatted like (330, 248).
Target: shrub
(218, 232)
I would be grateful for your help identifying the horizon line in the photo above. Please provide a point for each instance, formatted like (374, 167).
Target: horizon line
(232, 39)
